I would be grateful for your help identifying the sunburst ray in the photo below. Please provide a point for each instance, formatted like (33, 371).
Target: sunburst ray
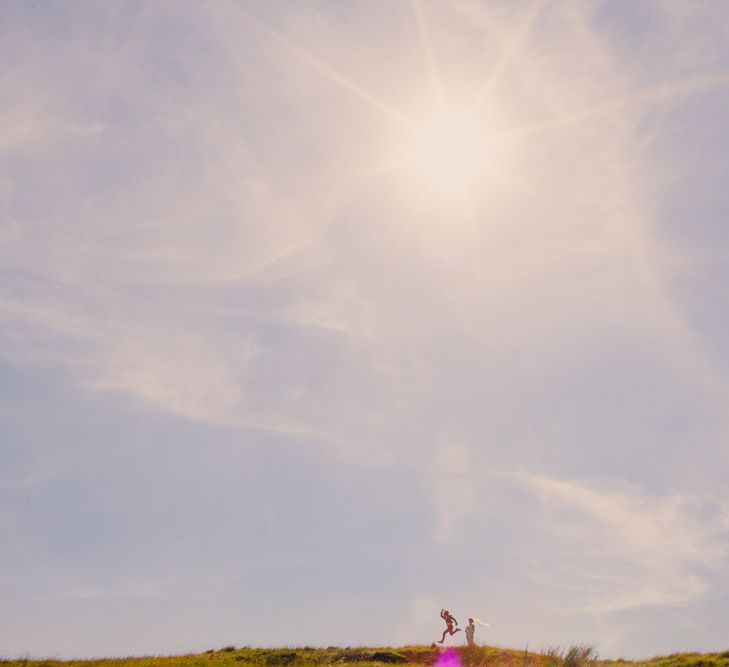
(428, 53)
(323, 68)
(518, 35)
(645, 98)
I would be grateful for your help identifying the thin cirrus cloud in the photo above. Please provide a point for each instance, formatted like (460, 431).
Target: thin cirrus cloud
(632, 549)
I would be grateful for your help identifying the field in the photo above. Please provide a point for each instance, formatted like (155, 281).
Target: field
(485, 656)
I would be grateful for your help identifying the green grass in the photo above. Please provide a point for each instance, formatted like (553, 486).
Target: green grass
(484, 656)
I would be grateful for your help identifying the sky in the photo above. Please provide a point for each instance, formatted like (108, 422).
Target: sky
(318, 317)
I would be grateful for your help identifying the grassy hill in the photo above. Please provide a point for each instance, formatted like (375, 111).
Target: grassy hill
(485, 656)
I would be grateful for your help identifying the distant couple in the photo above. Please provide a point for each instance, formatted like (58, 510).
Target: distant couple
(451, 628)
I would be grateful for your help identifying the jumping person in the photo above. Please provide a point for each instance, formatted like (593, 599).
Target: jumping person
(451, 622)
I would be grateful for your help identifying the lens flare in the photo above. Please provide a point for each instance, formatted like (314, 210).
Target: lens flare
(449, 658)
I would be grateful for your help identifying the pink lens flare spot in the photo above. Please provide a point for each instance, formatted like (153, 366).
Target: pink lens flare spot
(449, 658)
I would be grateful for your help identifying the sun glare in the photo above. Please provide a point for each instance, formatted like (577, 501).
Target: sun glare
(449, 152)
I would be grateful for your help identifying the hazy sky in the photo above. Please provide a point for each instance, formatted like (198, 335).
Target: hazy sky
(316, 317)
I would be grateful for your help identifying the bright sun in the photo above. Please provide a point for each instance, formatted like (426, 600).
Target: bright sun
(449, 152)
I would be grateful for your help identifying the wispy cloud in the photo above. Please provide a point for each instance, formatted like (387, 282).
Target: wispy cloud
(625, 548)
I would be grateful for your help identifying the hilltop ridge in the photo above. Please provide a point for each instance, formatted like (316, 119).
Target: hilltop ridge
(481, 656)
